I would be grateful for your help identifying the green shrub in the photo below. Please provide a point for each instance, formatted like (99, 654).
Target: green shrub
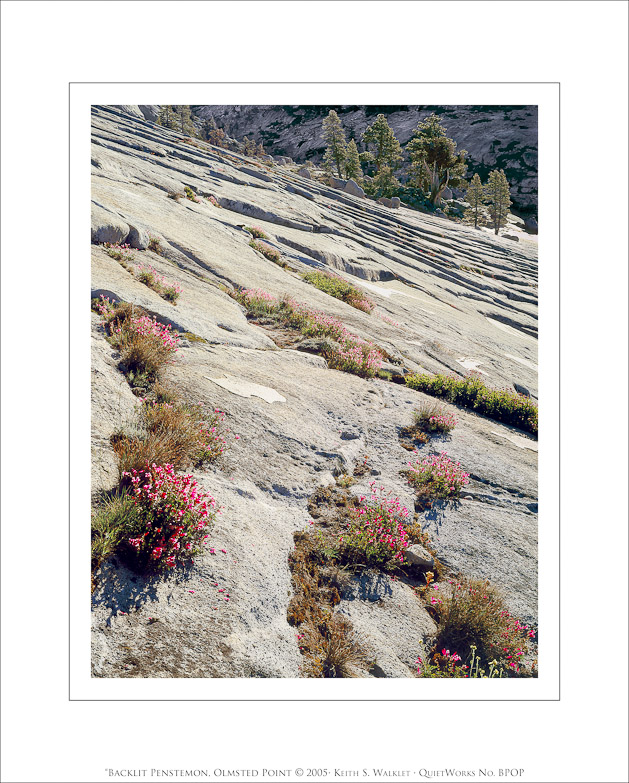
(500, 404)
(191, 195)
(340, 289)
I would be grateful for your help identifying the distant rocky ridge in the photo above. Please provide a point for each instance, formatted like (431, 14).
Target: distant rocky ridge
(495, 136)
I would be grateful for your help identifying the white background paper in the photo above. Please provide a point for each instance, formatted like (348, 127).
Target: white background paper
(45, 46)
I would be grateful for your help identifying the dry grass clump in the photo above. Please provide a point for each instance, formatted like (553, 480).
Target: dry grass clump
(333, 648)
(172, 433)
(473, 612)
(327, 641)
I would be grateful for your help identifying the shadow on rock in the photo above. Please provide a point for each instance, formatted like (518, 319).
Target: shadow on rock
(121, 590)
(368, 587)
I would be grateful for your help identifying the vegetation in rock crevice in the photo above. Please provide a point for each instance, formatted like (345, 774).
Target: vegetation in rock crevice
(340, 348)
(502, 405)
(340, 289)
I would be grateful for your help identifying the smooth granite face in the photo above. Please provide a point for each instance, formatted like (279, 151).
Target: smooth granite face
(449, 299)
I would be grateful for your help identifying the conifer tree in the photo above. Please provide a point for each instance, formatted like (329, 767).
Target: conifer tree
(475, 196)
(353, 169)
(334, 137)
(209, 125)
(248, 147)
(435, 163)
(387, 148)
(497, 193)
(166, 117)
(384, 183)
(184, 120)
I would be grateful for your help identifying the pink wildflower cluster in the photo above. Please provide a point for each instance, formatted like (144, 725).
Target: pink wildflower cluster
(438, 476)
(174, 516)
(119, 252)
(213, 201)
(352, 354)
(267, 251)
(212, 442)
(388, 320)
(151, 277)
(147, 326)
(443, 422)
(376, 532)
(104, 306)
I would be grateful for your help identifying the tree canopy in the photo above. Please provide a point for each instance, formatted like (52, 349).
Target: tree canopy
(435, 162)
(387, 150)
(334, 137)
(498, 195)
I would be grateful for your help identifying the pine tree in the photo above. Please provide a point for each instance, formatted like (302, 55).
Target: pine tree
(353, 169)
(166, 117)
(334, 137)
(435, 163)
(184, 120)
(387, 148)
(475, 196)
(248, 147)
(384, 183)
(208, 125)
(497, 193)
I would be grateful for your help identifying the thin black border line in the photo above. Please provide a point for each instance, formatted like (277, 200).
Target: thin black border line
(410, 701)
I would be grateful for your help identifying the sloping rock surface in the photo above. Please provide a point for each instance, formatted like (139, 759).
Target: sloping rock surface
(448, 299)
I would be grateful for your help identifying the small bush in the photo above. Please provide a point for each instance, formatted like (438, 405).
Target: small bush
(213, 202)
(256, 232)
(470, 392)
(173, 519)
(432, 417)
(472, 612)
(267, 251)
(340, 289)
(171, 432)
(437, 476)
(155, 245)
(376, 534)
(191, 195)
